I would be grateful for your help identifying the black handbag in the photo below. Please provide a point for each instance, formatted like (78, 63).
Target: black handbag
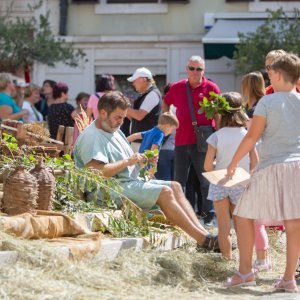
(202, 132)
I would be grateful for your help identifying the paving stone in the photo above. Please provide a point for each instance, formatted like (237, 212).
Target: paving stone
(171, 242)
(132, 243)
(109, 250)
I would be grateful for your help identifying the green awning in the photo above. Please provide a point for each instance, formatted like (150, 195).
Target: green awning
(223, 36)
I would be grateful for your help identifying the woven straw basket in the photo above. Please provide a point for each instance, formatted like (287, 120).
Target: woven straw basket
(46, 186)
(20, 191)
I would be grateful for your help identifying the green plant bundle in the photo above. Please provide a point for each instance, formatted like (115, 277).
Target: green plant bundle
(150, 168)
(216, 104)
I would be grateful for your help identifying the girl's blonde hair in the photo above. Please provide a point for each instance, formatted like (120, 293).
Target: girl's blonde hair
(253, 86)
(234, 117)
(275, 54)
(289, 66)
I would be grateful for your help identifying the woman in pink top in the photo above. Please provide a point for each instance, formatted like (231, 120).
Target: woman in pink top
(104, 83)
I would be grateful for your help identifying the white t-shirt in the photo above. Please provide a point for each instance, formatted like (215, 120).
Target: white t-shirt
(34, 115)
(150, 101)
(226, 141)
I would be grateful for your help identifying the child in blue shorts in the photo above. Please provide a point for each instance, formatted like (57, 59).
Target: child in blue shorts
(221, 147)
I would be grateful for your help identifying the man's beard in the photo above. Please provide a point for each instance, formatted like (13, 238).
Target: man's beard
(107, 126)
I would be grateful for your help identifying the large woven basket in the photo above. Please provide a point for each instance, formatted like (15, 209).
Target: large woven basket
(46, 186)
(20, 191)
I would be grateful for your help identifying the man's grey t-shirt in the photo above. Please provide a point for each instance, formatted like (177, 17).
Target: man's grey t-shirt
(280, 141)
(96, 144)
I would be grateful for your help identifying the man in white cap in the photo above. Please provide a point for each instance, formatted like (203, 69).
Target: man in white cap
(147, 107)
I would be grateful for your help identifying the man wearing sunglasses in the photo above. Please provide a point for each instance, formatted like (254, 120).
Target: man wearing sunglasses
(186, 153)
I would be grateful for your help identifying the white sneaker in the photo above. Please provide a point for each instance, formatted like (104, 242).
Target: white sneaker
(262, 266)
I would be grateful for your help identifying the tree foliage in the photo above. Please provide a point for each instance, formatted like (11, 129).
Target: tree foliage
(25, 41)
(280, 31)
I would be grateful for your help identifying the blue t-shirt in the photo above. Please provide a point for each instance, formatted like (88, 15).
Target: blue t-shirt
(151, 137)
(9, 101)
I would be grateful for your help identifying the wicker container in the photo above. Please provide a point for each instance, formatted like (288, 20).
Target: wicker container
(46, 186)
(20, 191)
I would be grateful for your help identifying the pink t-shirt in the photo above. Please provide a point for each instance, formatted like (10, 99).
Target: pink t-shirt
(177, 96)
(93, 103)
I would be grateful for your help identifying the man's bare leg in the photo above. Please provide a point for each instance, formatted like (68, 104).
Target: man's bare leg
(185, 204)
(174, 212)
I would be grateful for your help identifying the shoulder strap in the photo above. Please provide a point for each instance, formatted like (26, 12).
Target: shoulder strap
(96, 94)
(192, 111)
(165, 139)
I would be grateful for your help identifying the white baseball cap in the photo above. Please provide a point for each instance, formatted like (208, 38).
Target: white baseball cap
(141, 72)
(22, 83)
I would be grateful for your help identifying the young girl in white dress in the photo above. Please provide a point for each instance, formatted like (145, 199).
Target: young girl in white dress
(221, 147)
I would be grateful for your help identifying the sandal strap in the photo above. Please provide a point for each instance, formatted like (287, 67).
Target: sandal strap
(285, 283)
(244, 277)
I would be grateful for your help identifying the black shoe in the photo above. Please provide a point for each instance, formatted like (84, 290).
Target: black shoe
(209, 220)
(210, 244)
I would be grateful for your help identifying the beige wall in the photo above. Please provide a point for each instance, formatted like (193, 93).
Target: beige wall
(180, 19)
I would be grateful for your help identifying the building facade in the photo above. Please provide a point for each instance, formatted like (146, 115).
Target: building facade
(119, 36)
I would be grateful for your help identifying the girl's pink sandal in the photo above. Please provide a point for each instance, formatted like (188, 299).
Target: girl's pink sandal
(282, 285)
(229, 282)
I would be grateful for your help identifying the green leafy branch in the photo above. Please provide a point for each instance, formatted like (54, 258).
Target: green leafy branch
(149, 168)
(216, 104)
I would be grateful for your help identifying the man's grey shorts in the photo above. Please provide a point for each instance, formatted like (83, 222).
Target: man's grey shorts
(143, 194)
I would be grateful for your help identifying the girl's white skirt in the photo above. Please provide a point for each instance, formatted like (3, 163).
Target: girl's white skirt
(272, 195)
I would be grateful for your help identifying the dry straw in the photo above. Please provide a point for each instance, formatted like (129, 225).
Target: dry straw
(42, 272)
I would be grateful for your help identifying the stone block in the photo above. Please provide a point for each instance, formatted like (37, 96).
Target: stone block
(132, 243)
(109, 249)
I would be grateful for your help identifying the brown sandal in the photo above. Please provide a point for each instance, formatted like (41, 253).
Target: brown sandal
(210, 244)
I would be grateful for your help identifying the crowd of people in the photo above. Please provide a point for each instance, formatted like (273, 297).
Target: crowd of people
(259, 132)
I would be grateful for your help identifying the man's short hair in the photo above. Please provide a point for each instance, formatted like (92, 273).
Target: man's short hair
(289, 66)
(168, 118)
(197, 58)
(110, 101)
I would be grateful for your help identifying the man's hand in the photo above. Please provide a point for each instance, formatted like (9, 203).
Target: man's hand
(153, 160)
(136, 158)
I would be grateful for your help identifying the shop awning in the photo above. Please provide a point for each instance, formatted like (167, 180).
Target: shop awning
(223, 36)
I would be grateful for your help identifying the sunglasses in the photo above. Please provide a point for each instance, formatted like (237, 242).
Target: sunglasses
(193, 69)
(268, 67)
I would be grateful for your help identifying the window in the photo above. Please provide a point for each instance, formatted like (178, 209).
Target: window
(131, 7)
(85, 1)
(239, 0)
(263, 5)
(145, 1)
(130, 1)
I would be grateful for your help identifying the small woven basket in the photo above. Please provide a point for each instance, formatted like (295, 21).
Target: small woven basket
(20, 191)
(46, 186)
